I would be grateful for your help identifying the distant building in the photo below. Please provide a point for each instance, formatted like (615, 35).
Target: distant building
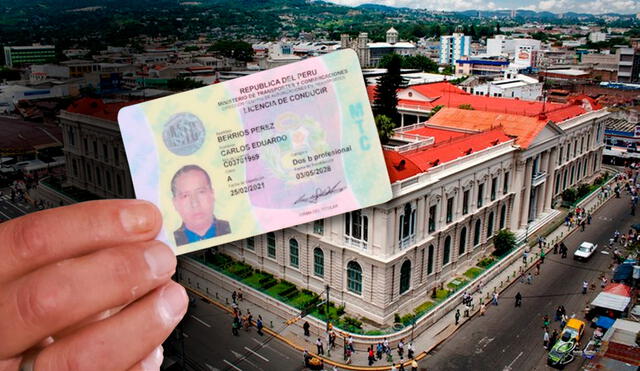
(596, 37)
(454, 47)
(370, 54)
(519, 50)
(21, 55)
(481, 67)
(628, 65)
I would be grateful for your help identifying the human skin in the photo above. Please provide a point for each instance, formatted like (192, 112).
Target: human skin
(86, 287)
(194, 200)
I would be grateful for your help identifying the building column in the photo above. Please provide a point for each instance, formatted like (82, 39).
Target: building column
(526, 198)
(542, 189)
(551, 177)
(517, 201)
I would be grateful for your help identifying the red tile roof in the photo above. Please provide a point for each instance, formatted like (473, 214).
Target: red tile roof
(423, 159)
(98, 108)
(449, 95)
(523, 128)
(438, 134)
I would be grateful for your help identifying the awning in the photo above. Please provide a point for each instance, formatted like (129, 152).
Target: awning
(611, 301)
(604, 322)
(623, 272)
(618, 289)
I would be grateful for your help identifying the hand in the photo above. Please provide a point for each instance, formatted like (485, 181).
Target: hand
(86, 287)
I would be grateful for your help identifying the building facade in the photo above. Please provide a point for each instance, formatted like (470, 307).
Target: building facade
(22, 55)
(454, 186)
(454, 47)
(93, 148)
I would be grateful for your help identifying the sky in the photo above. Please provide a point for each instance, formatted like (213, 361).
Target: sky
(555, 6)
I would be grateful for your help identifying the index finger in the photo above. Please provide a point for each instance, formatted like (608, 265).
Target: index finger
(32, 241)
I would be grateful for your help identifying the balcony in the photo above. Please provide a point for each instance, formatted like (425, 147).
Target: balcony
(538, 178)
(353, 242)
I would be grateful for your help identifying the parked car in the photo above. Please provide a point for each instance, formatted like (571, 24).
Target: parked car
(585, 250)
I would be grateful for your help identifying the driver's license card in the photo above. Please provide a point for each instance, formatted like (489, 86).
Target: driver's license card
(259, 153)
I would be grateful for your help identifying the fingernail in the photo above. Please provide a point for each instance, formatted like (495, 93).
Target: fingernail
(153, 360)
(172, 304)
(160, 259)
(137, 217)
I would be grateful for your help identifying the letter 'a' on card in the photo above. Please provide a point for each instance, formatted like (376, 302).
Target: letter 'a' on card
(278, 148)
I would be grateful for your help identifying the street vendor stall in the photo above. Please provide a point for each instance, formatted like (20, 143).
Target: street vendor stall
(612, 301)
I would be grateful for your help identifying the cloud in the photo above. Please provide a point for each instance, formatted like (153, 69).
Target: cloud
(556, 6)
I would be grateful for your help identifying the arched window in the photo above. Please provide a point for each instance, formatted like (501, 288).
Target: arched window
(318, 262)
(447, 251)
(490, 225)
(430, 260)
(503, 216)
(476, 233)
(294, 253)
(354, 277)
(271, 245)
(463, 241)
(405, 276)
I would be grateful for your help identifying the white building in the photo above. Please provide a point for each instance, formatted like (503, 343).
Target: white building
(511, 86)
(453, 47)
(596, 37)
(447, 205)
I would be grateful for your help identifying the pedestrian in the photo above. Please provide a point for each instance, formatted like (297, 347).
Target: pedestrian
(529, 278)
(372, 357)
(235, 325)
(393, 368)
(545, 321)
(234, 295)
(555, 248)
(538, 264)
(307, 357)
(350, 343)
(518, 299)
(603, 281)
(558, 314)
(414, 365)
(564, 320)
(589, 218)
(542, 255)
(494, 299)
(582, 225)
(524, 256)
(545, 338)
(483, 309)
(400, 349)
(379, 350)
(385, 345)
(585, 286)
(410, 350)
(239, 293)
(259, 325)
(400, 367)
(553, 338)
(320, 347)
(332, 339)
(305, 327)
(457, 315)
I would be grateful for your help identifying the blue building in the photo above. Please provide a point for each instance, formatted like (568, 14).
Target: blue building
(454, 47)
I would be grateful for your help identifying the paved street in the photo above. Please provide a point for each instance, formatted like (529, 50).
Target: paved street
(509, 338)
(209, 344)
(10, 210)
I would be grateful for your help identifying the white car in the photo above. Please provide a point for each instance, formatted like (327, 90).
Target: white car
(585, 250)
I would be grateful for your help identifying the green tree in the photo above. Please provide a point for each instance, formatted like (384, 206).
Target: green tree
(504, 241)
(386, 97)
(569, 195)
(239, 50)
(420, 62)
(448, 70)
(385, 128)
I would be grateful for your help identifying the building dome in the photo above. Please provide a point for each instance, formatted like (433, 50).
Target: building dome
(392, 36)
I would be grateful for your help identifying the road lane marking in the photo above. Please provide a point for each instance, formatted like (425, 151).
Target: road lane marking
(5, 215)
(243, 358)
(211, 368)
(231, 364)
(265, 345)
(17, 208)
(257, 354)
(201, 321)
(482, 344)
(509, 367)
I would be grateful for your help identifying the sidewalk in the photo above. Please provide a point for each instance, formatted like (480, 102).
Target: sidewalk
(292, 334)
